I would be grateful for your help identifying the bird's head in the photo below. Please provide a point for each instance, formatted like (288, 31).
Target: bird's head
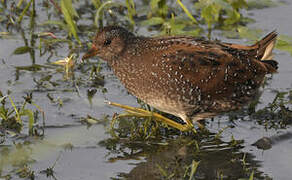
(109, 42)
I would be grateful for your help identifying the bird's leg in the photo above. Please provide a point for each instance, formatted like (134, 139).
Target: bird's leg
(198, 119)
(201, 126)
(158, 117)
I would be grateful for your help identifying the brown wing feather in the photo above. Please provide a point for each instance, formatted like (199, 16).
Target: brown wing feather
(210, 68)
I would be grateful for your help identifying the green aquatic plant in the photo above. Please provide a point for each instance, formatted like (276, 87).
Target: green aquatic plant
(31, 2)
(193, 167)
(159, 8)
(224, 14)
(284, 43)
(98, 19)
(12, 117)
(96, 3)
(131, 11)
(255, 4)
(277, 114)
(163, 16)
(69, 14)
(68, 63)
(50, 172)
(187, 11)
(220, 12)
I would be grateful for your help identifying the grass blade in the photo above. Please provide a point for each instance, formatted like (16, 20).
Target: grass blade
(131, 11)
(69, 12)
(24, 11)
(30, 115)
(99, 13)
(16, 111)
(96, 3)
(194, 167)
(251, 176)
(187, 11)
(2, 98)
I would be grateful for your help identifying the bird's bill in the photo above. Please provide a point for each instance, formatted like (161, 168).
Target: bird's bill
(90, 53)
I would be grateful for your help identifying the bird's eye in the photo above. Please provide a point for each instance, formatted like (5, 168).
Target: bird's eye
(107, 42)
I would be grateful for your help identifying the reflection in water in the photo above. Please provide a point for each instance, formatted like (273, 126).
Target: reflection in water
(173, 158)
(19, 157)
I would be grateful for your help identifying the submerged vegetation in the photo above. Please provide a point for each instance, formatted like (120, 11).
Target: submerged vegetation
(53, 33)
(12, 118)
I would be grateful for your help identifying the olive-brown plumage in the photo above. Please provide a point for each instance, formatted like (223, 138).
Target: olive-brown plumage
(185, 76)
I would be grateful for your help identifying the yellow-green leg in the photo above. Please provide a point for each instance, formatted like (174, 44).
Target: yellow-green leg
(158, 117)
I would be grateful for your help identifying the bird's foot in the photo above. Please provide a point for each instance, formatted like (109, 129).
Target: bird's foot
(158, 117)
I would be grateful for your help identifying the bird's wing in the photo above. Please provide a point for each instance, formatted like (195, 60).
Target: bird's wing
(211, 69)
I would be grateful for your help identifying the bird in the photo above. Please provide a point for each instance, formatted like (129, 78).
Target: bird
(189, 77)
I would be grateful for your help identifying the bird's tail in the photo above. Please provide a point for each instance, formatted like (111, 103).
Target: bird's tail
(265, 46)
(262, 50)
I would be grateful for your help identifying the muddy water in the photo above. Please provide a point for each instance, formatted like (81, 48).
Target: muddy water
(84, 153)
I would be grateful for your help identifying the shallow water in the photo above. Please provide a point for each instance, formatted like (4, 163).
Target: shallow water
(85, 153)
